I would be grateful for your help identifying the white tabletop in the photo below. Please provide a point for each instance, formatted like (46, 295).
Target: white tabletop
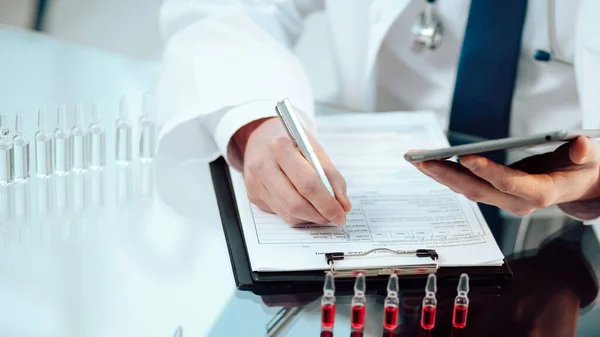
(135, 251)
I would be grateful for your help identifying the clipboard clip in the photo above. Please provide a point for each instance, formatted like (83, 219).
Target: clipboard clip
(338, 256)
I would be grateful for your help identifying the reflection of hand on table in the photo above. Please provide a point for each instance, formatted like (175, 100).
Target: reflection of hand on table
(543, 299)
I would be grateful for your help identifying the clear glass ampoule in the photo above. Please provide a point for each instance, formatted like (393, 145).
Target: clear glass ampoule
(62, 144)
(429, 309)
(147, 129)
(7, 173)
(359, 303)
(80, 141)
(4, 130)
(123, 134)
(328, 302)
(391, 304)
(97, 135)
(21, 148)
(43, 147)
(461, 303)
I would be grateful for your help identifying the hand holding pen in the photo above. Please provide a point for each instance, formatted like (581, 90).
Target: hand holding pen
(281, 179)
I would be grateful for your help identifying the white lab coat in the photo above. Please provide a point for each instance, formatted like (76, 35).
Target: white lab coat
(227, 61)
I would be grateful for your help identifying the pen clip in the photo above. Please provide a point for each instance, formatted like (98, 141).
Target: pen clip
(285, 122)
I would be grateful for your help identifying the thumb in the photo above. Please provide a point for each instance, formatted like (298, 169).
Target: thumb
(582, 151)
(338, 183)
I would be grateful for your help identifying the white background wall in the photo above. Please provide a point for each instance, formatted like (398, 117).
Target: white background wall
(125, 26)
(130, 27)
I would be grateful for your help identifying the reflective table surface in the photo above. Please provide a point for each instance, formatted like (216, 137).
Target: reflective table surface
(138, 249)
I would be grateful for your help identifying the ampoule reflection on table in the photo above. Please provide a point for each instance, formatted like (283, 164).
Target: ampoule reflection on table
(123, 154)
(6, 172)
(147, 146)
(147, 129)
(97, 140)
(6, 153)
(80, 155)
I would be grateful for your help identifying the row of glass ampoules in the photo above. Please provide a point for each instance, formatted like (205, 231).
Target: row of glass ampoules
(73, 149)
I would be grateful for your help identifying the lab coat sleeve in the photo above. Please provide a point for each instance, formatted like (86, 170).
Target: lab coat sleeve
(226, 63)
(587, 73)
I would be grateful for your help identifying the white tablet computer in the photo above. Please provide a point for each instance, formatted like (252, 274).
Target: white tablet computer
(500, 144)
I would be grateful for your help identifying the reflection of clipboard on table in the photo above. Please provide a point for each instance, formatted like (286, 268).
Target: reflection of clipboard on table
(401, 221)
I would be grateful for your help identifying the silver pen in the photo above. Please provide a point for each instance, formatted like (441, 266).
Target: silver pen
(296, 132)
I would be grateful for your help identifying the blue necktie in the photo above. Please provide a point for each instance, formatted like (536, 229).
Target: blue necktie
(487, 68)
(486, 76)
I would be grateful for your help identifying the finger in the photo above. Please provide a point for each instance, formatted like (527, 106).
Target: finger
(546, 162)
(257, 194)
(583, 150)
(260, 203)
(539, 189)
(286, 198)
(339, 187)
(307, 182)
(461, 181)
(263, 206)
(283, 214)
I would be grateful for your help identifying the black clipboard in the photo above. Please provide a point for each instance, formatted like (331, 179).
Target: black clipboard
(284, 283)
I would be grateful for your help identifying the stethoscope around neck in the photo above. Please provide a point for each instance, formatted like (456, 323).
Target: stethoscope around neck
(428, 33)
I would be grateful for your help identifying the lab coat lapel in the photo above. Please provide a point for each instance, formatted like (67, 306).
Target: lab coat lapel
(358, 28)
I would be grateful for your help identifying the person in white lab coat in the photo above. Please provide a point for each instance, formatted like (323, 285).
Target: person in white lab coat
(226, 63)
